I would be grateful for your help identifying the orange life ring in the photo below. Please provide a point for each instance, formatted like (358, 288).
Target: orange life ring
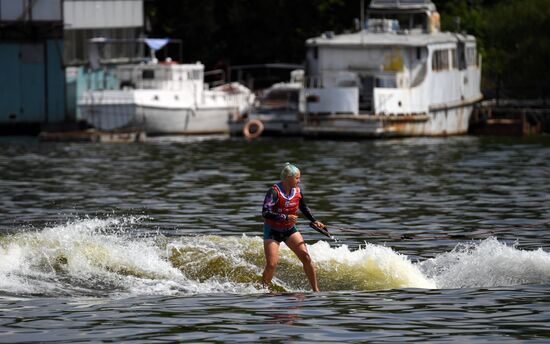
(251, 124)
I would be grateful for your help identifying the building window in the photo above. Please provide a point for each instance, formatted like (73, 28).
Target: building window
(124, 48)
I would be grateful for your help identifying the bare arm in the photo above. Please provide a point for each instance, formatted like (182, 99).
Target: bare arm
(307, 212)
(305, 209)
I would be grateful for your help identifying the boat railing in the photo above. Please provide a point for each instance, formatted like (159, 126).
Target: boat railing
(169, 85)
(110, 80)
(315, 81)
(383, 4)
(215, 77)
(338, 79)
(158, 76)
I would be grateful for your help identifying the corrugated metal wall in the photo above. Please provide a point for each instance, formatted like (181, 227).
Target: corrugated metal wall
(55, 81)
(23, 83)
(32, 76)
(86, 19)
(24, 10)
(90, 14)
(32, 81)
(10, 90)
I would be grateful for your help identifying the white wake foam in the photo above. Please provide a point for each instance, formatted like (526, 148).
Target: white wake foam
(488, 263)
(103, 257)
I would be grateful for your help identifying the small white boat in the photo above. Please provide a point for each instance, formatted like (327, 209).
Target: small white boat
(277, 112)
(165, 98)
(399, 76)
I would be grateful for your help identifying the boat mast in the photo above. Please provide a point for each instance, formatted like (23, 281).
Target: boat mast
(362, 26)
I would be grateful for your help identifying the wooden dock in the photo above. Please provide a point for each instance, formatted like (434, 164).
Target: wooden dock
(93, 135)
(510, 117)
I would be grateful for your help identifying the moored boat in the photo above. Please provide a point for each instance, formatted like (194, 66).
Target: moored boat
(277, 112)
(165, 98)
(399, 76)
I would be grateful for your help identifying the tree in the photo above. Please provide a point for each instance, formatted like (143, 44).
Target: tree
(513, 35)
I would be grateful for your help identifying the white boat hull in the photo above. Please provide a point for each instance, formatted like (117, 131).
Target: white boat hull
(280, 124)
(165, 99)
(452, 121)
(158, 120)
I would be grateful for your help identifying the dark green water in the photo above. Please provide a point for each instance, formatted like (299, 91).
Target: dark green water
(439, 239)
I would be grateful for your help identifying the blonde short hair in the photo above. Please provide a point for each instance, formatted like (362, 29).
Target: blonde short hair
(289, 170)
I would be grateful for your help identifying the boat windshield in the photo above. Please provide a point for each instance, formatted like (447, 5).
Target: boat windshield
(397, 22)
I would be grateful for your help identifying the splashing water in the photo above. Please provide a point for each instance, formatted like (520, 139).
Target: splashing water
(90, 256)
(488, 263)
(101, 257)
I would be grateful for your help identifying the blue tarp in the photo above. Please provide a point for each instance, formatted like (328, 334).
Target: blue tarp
(156, 43)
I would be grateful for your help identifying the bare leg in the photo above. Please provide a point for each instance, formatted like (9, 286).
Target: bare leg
(271, 249)
(296, 243)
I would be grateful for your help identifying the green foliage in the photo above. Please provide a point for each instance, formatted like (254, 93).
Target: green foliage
(513, 35)
(513, 38)
(518, 35)
(247, 31)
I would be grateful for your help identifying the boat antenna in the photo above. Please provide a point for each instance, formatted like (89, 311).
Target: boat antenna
(362, 21)
(457, 24)
(362, 14)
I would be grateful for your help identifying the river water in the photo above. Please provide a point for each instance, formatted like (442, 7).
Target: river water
(435, 239)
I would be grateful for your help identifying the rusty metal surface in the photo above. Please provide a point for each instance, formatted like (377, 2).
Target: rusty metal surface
(510, 117)
(93, 135)
(441, 123)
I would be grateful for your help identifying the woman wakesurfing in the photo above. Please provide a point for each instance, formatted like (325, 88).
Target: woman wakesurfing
(280, 207)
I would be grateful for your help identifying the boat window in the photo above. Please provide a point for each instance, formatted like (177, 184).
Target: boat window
(418, 21)
(418, 53)
(461, 55)
(471, 53)
(396, 22)
(403, 22)
(148, 74)
(194, 75)
(440, 60)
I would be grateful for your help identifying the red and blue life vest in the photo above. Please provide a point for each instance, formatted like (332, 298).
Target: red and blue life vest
(287, 205)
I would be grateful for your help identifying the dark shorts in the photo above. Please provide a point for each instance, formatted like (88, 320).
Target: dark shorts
(280, 236)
